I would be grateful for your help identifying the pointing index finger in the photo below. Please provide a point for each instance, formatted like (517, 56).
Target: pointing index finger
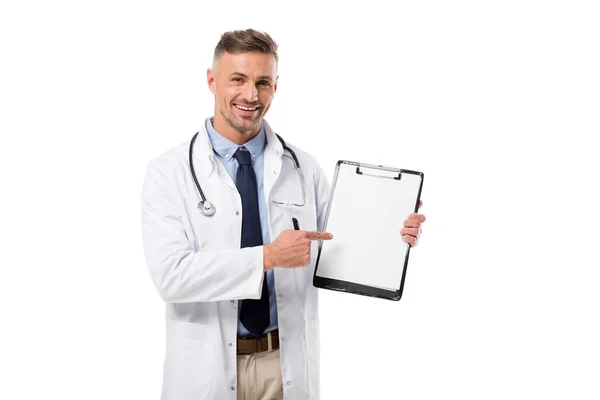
(314, 235)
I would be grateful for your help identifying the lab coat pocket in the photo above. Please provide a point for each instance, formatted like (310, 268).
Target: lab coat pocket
(189, 360)
(313, 350)
(281, 217)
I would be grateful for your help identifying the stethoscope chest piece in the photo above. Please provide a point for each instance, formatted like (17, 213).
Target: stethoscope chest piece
(206, 208)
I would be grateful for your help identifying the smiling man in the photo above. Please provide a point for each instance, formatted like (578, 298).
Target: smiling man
(240, 107)
(241, 311)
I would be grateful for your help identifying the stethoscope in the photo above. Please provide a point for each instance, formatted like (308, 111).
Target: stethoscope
(207, 208)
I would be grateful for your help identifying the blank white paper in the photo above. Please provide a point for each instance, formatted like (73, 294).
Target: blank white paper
(366, 214)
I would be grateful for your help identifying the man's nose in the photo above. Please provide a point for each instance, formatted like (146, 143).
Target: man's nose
(250, 92)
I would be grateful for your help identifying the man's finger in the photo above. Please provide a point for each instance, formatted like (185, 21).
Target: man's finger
(314, 235)
(411, 231)
(420, 204)
(412, 223)
(420, 217)
(410, 240)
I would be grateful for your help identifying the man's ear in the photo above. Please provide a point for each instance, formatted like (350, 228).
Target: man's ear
(210, 79)
(275, 84)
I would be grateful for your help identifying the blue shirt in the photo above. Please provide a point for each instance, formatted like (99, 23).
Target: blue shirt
(224, 150)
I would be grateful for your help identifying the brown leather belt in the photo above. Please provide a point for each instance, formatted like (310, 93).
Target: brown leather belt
(249, 345)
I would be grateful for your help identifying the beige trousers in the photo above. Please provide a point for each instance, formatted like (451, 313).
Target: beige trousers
(259, 376)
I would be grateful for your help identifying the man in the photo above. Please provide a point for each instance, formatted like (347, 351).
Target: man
(241, 312)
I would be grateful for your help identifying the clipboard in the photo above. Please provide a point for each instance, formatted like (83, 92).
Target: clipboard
(368, 205)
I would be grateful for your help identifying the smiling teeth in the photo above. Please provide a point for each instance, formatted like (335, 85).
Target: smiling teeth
(246, 108)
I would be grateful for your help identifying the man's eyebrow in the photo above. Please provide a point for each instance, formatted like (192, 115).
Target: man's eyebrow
(265, 77)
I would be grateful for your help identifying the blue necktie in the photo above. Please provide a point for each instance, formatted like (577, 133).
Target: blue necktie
(254, 314)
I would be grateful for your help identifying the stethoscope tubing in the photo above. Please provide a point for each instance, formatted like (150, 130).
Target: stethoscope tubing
(205, 206)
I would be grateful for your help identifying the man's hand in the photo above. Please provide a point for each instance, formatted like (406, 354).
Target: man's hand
(412, 228)
(291, 249)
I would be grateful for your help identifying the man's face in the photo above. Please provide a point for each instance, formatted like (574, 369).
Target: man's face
(244, 85)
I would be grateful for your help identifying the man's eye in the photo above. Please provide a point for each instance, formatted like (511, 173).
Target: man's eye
(263, 83)
(238, 79)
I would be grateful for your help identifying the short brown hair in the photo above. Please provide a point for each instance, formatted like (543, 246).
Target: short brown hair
(235, 42)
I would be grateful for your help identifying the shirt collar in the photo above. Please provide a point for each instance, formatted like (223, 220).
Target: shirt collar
(226, 148)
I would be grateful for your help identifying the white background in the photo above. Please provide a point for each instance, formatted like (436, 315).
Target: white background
(496, 102)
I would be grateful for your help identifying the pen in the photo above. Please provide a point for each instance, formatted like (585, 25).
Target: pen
(295, 222)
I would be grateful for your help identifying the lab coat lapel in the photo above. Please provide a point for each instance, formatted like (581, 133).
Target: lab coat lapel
(204, 154)
(273, 156)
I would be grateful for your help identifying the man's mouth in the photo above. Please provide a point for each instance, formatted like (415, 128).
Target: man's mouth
(246, 108)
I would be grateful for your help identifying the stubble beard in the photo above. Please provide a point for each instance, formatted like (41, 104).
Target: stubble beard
(241, 125)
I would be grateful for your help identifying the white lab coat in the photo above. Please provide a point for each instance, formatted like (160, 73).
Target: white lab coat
(200, 271)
